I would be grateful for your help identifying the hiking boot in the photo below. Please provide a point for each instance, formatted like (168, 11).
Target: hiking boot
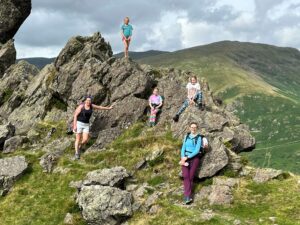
(176, 118)
(77, 156)
(187, 200)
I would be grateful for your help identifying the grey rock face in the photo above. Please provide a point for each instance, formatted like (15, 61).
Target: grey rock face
(214, 160)
(10, 170)
(6, 132)
(113, 177)
(7, 56)
(14, 84)
(12, 15)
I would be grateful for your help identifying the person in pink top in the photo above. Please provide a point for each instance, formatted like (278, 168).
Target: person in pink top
(155, 103)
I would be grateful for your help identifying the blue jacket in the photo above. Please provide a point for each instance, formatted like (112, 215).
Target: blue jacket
(189, 148)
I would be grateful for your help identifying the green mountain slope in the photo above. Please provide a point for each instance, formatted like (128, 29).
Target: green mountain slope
(262, 81)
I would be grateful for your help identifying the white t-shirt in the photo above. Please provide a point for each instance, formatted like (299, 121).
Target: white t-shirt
(193, 89)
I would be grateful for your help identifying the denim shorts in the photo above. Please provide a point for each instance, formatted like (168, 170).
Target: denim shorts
(83, 127)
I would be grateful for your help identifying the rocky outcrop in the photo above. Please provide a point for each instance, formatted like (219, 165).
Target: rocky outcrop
(100, 199)
(12, 14)
(84, 66)
(224, 131)
(10, 170)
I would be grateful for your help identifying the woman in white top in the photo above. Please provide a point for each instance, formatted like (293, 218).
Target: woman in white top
(194, 97)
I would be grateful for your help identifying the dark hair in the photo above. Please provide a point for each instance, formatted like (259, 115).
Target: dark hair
(194, 123)
(86, 97)
(191, 77)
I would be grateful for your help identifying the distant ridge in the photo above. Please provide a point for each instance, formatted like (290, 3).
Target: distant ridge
(39, 62)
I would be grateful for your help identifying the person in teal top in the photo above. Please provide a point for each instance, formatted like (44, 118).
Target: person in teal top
(126, 32)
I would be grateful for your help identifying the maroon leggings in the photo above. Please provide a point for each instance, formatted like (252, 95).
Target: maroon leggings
(188, 173)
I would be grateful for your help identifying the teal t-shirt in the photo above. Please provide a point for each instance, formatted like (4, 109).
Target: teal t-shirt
(127, 30)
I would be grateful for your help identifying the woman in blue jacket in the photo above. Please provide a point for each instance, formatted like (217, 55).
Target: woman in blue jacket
(190, 159)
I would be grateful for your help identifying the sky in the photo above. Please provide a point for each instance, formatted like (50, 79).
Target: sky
(167, 25)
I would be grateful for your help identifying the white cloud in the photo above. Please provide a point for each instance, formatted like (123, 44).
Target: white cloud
(24, 51)
(199, 33)
(162, 25)
(288, 36)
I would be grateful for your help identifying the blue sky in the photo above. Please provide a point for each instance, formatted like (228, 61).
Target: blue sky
(159, 24)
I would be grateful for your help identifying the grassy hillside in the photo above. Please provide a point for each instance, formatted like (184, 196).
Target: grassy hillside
(264, 79)
(39, 199)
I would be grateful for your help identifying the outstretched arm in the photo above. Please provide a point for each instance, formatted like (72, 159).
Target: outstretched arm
(99, 107)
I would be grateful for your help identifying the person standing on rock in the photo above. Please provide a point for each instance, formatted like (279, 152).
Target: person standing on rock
(81, 123)
(126, 32)
(155, 103)
(193, 144)
(194, 97)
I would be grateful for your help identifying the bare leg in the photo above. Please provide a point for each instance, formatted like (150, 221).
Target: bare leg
(77, 141)
(85, 138)
(128, 43)
(126, 48)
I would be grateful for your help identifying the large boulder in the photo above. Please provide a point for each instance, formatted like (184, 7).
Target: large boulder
(214, 160)
(101, 198)
(104, 205)
(7, 55)
(12, 15)
(10, 170)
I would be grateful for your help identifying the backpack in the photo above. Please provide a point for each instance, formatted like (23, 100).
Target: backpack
(201, 150)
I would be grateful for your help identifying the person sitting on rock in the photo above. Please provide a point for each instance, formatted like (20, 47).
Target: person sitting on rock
(192, 147)
(194, 97)
(155, 103)
(81, 123)
(126, 34)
